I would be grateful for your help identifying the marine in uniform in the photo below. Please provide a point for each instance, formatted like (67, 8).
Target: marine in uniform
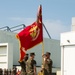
(31, 65)
(23, 65)
(48, 63)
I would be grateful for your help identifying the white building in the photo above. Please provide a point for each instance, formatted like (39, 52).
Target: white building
(68, 51)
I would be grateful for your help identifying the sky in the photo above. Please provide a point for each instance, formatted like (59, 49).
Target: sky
(57, 14)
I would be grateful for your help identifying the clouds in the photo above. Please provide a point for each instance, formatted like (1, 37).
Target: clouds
(54, 27)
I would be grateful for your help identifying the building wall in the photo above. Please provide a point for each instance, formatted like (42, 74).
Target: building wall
(68, 53)
(50, 45)
(6, 60)
(9, 37)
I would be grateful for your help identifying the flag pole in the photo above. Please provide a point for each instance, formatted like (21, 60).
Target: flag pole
(42, 51)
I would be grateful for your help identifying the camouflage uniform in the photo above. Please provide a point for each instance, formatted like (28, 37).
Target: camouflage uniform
(23, 65)
(47, 63)
(43, 72)
(48, 66)
(23, 68)
(30, 66)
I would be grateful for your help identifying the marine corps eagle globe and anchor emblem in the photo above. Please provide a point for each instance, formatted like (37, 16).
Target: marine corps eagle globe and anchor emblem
(34, 32)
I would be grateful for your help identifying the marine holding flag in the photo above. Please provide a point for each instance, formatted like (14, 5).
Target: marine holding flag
(31, 35)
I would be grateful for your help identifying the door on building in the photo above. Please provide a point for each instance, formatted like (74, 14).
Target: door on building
(69, 60)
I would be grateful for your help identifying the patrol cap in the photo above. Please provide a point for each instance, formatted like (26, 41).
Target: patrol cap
(32, 54)
(48, 53)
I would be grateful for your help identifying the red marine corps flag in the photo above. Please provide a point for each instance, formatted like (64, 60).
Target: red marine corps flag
(31, 35)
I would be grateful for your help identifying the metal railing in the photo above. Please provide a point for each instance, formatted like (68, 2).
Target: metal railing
(13, 29)
(20, 27)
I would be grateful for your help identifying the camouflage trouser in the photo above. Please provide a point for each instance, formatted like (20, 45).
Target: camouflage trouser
(43, 72)
(31, 73)
(23, 73)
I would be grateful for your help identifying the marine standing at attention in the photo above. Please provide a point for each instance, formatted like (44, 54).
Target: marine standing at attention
(31, 65)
